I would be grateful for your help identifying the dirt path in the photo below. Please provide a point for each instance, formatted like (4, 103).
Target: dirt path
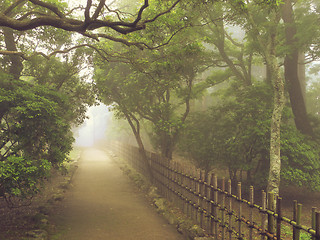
(103, 204)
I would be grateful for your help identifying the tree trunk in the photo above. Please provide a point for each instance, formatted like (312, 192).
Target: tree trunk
(16, 61)
(136, 132)
(302, 74)
(275, 158)
(166, 145)
(291, 66)
(278, 105)
(16, 64)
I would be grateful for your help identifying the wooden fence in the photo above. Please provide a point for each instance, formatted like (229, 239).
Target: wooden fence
(210, 202)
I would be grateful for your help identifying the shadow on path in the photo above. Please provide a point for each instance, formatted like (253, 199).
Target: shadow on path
(103, 204)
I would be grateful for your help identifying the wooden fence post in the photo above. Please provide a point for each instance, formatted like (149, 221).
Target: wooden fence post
(263, 214)
(251, 196)
(201, 193)
(194, 190)
(239, 210)
(270, 216)
(208, 205)
(294, 218)
(190, 206)
(182, 188)
(198, 183)
(168, 178)
(313, 221)
(317, 226)
(196, 195)
(175, 184)
(212, 216)
(230, 209)
(279, 200)
(223, 220)
(215, 185)
(183, 183)
(298, 220)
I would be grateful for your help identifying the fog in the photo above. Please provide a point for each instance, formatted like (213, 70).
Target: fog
(93, 128)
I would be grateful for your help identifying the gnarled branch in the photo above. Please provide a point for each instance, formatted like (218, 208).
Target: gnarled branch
(54, 17)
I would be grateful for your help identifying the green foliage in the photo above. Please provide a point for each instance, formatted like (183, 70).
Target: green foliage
(300, 159)
(21, 177)
(236, 135)
(35, 134)
(32, 121)
(232, 134)
(156, 85)
(63, 76)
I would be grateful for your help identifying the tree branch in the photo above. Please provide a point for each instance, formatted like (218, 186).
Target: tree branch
(59, 19)
(48, 6)
(87, 12)
(144, 6)
(13, 6)
(163, 13)
(98, 9)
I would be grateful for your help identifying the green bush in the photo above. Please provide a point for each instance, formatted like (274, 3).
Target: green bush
(21, 177)
(35, 135)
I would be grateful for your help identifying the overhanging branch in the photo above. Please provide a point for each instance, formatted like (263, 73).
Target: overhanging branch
(55, 17)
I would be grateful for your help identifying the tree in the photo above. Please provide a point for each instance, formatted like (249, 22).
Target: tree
(261, 23)
(154, 88)
(291, 64)
(230, 51)
(39, 101)
(24, 15)
(62, 75)
(236, 135)
(34, 135)
(155, 85)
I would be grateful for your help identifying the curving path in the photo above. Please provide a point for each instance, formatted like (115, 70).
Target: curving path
(103, 205)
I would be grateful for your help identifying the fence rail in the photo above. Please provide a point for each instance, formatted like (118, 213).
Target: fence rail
(210, 202)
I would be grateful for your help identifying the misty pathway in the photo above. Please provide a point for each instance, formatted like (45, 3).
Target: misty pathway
(103, 204)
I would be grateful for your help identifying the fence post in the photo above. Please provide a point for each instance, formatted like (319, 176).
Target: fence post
(239, 210)
(299, 209)
(223, 197)
(317, 226)
(194, 186)
(184, 184)
(263, 214)
(168, 177)
(190, 205)
(251, 211)
(207, 203)
(195, 190)
(313, 221)
(215, 197)
(212, 216)
(294, 218)
(201, 194)
(175, 184)
(279, 200)
(182, 187)
(270, 216)
(230, 209)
